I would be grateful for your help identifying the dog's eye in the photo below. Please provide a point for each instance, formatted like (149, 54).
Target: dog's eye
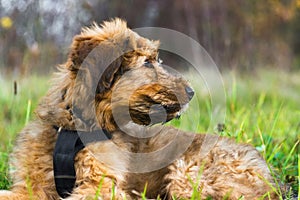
(148, 64)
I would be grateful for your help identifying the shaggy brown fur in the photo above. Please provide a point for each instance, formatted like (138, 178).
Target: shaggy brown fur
(78, 99)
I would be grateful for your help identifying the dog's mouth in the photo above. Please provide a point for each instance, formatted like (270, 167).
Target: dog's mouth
(157, 113)
(158, 107)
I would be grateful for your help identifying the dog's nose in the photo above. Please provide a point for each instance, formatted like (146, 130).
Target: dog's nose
(190, 92)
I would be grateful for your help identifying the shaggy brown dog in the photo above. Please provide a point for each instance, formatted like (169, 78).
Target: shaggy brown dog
(113, 81)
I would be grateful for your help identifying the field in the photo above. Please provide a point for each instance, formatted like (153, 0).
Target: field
(262, 108)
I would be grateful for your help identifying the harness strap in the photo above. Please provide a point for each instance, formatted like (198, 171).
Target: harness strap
(68, 144)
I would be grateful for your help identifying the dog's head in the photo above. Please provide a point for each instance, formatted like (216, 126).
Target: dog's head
(121, 73)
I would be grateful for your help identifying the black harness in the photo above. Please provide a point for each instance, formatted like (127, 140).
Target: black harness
(68, 144)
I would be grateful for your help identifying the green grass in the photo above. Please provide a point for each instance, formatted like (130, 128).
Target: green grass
(262, 109)
(16, 111)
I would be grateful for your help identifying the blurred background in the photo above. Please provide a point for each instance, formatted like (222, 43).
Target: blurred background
(35, 34)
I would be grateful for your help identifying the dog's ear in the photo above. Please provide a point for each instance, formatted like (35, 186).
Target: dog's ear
(112, 54)
(99, 63)
(80, 49)
(94, 72)
(111, 32)
(109, 75)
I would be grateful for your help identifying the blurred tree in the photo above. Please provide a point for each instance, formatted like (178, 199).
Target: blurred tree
(236, 33)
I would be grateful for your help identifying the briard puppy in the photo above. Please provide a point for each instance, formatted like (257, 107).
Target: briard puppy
(97, 135)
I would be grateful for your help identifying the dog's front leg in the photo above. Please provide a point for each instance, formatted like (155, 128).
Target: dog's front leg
(94, 179)
(105, 190)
